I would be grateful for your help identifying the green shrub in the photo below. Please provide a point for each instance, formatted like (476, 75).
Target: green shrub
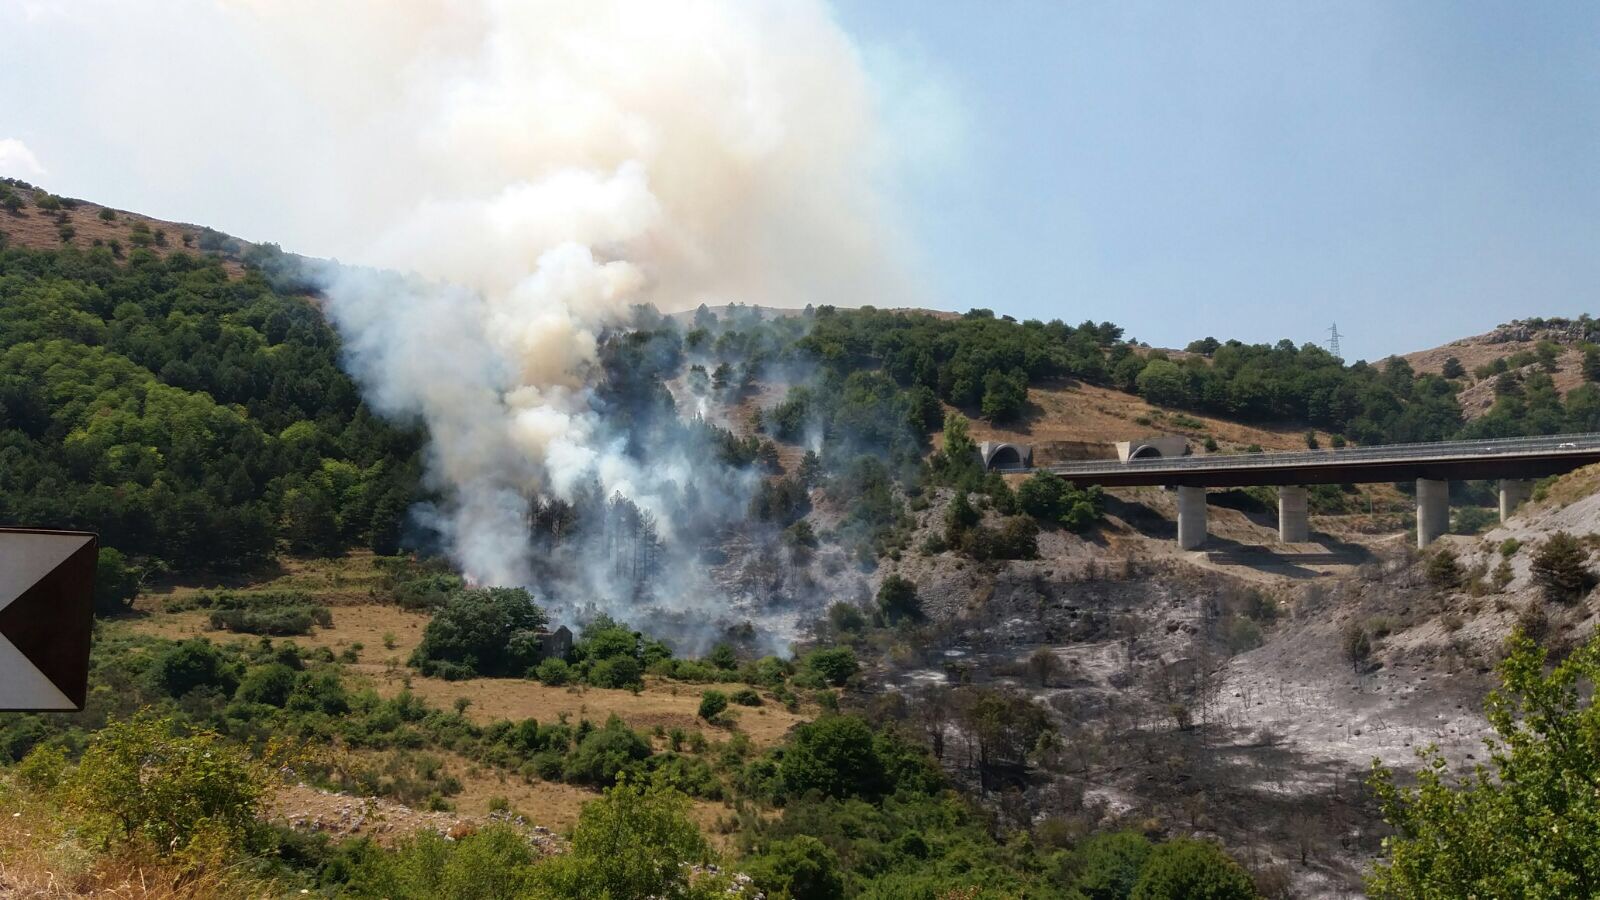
(616, 672)
(1182, 869)
(746, 697)
(1442, 570)
(834, 756)
(834, 666)
(632, 842)
(143, 780)
(898, 601)
(270, 684)
(1561, 568)
(190, 664)
(1107, 865)
(604, 753)
(487, 631)
(801, 866)
(43, 768)
(712, 703)
(554, 672)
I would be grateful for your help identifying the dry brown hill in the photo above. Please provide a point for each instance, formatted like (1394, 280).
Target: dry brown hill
(81, 223)
(1510, 339)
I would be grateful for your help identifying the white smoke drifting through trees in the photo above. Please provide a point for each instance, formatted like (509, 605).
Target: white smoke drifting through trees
(559, 164)
(537, 167)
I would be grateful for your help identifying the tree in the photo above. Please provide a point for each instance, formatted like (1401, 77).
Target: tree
(1004, 395)
(1526, 825)
(143, 780)
(1162, 382)
(1107, 866)
(834, 666)
(635, 841)
(116, 583)
(898, 601)
(834, 756)
(800, 868)
(1443, 571)
(477, 632)
(1453, 368)
(1591, 363)
(1184, 869)
(712, 703)
(192, 664)
(1561, 568)
(270, 684)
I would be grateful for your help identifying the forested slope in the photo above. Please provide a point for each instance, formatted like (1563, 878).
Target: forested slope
(186, 415)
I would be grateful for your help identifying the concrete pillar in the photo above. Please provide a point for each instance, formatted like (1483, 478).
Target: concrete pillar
(1513, 493)
(1433, 510)
(1294, 524)
(1191, 517)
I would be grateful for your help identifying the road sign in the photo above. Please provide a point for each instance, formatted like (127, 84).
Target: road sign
(46, 613)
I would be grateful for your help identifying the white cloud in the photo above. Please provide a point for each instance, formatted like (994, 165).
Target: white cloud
(17, 161)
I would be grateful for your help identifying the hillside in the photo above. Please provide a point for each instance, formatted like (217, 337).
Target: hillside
(45, 221)
(832, 644)
(1519, 344)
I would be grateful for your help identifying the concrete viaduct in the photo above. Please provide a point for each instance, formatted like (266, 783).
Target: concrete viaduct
(1515, 462)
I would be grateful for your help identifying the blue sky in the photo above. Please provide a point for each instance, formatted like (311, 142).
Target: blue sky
(1415, 171)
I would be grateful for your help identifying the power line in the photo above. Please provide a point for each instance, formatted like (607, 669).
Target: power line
(1333, 340)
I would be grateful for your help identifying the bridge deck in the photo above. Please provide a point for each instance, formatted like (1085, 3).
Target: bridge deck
(1445, 460)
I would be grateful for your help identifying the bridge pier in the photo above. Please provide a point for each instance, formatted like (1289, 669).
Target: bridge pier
(1433, 510)
(1294, 523)
(1513, 493)
(1191, 517)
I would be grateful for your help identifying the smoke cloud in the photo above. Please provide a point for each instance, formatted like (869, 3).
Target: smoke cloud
(513, 178)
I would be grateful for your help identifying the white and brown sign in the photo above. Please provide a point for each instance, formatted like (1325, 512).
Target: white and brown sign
(46, 615)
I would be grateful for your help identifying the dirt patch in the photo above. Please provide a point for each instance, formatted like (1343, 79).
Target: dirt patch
(1070, 411)
(306, 808)
(664, 703)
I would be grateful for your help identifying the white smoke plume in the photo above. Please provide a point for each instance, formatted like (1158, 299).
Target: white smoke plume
(554, 164)
(536, 168)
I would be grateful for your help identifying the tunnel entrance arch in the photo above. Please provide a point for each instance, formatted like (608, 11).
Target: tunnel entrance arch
(998, 455)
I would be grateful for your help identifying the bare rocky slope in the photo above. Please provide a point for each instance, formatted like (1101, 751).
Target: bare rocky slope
(1213, 693)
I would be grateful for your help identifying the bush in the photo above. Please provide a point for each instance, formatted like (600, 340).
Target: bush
(632, 842)
(801, 866)
(604, 753)
(140, 781)
(712, 703)
(834, 666)
(275, 613)
(1443, 571)
(847, 619)
(898, 601)
(1183, 869)
(116, 582)
(478, 631)
(1560, 567)
(270, 684)
(1357, 646)
(1107, 865)
(191, 664)
(746, 697)
(834, 756)
(616, 672)
(1052, 499)
(553, 672)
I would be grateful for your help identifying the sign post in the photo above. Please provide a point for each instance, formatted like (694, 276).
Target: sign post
(46, 615)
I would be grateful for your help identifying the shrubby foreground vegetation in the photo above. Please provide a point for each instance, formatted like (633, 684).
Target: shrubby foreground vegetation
(184, 741)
